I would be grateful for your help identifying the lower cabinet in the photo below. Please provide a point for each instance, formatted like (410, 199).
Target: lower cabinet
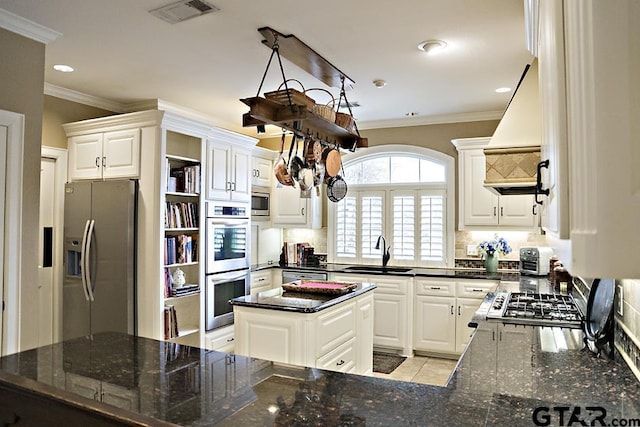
(221, 339)
(337, 338)
(443, 309)
(260, 281)
(393, 313)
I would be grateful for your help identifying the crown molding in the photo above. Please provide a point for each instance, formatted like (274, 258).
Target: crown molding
(19, 25)
(431, 120)
(83, 98)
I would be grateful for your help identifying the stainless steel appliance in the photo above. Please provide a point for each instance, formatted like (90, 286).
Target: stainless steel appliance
(538, 309)
(260, 203)
(228, 228)
(289, 276)
(99, 287)
(220, 288)
(535, 261)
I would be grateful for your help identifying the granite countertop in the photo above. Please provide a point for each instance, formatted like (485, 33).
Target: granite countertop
(461, 273)
(277, 299)
(507, 376)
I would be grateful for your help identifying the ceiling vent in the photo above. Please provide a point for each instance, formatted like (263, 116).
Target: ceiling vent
(183, 10)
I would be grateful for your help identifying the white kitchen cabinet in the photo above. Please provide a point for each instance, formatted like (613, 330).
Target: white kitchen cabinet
(221, 339)
(260, 281)
(443, 309)
(104, 155)
(479, 207)
(228, 171)
(333, 338)
(290, 210)
(601, 90)
(392, 325)
(262, 167)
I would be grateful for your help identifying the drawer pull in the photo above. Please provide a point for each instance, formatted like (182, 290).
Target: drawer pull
(262, 279)
(230, 339)
(476, 290)
(340, 363)
(436, 288)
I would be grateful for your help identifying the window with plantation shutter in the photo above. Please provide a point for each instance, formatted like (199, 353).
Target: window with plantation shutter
(399, 192)
(432, 228)
(371, 224)
(403, 218)
(345, 228)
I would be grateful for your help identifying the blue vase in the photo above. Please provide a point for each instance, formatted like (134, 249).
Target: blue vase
(491, 262)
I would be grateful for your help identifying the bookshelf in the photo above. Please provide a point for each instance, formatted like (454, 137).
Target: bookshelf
(183, 239)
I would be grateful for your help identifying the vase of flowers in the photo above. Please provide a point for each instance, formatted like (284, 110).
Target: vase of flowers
(490, 250)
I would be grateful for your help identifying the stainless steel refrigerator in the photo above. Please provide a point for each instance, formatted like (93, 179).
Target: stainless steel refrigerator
(99, 288)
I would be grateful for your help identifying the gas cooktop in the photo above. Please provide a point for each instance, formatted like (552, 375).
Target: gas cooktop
(535, 309)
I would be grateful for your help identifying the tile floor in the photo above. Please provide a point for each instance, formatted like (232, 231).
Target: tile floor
(424, 370)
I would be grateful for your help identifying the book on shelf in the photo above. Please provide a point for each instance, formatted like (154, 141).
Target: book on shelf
(183, 179)
(171, 329)
(181, 249)
(181, 215)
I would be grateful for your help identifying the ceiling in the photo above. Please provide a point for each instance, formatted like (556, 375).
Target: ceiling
(124, 54)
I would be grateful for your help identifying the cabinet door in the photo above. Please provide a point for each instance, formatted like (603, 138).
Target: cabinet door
(551, 71)
(364, 336)
(517, 211)
(83, 386)
(240, 175)
(262, 170)
(121, 154)
(288, 207)
(389, 326)
(218, 167)
(515, 339)
(480, 204)
(466, 308)
(435, 325)
(85, 157)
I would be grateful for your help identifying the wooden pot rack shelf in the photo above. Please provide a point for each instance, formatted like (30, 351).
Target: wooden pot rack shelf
(263, 111)
(298, 118)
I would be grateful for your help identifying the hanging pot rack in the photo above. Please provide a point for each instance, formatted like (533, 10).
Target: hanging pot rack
(299, 119)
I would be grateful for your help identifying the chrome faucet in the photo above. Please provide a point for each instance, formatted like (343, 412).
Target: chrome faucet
(385, 251)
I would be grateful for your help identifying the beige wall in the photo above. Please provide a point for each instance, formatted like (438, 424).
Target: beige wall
(21, 91)
(58, 111)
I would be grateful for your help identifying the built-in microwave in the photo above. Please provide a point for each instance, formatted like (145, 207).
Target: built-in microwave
(228, 231)
(260, 203)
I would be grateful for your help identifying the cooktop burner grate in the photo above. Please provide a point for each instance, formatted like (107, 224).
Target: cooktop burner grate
(536, 309)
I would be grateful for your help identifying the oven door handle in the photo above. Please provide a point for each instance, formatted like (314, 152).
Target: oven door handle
(228, 277)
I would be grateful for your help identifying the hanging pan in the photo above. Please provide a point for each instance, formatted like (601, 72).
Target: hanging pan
(332, 161)
(336, 188)
(281, 169)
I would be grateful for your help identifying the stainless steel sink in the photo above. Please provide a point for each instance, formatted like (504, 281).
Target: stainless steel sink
(375, 269)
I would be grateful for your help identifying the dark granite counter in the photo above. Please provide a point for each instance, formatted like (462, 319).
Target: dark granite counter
(461, 273)
(276, 299)
(498, 382)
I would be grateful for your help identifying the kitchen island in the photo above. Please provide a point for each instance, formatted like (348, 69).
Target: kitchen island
(498, 382)
(320, 330)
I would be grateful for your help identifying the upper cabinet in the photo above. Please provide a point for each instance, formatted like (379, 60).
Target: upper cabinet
(229, 167)
(480, 208)
(589, 59)
(262, 167)
(97, 154)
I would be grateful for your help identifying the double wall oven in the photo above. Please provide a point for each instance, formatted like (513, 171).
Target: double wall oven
(228, 228)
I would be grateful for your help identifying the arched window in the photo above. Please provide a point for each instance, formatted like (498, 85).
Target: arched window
(404, 193)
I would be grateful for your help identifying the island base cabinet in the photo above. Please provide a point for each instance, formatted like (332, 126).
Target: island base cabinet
(338, 338)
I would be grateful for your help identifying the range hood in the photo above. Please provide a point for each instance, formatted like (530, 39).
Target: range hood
(513, 153)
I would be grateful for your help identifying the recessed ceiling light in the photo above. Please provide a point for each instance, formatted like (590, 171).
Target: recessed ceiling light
(379, 83)
(503, 89)
(63, 68)
(431, 47)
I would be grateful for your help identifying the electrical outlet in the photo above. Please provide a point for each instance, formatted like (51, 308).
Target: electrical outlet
(472, 250)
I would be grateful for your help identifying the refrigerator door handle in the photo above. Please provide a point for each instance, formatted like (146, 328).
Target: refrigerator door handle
(83, 255)
(87, 263)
